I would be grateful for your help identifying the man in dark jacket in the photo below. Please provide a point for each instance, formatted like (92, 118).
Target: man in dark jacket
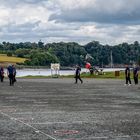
(127, 75)
(10, 74)
(14, 73)
(1, 74)
(77, 74)
(135, 74)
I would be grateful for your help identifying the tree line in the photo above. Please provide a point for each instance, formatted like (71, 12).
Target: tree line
(70, 54)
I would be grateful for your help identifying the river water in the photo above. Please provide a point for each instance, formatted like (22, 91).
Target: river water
(42, 72)
(47, 72)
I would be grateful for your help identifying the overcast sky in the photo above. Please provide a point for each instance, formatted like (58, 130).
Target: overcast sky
(82, 21)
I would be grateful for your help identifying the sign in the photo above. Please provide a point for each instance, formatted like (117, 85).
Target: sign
(55, 66)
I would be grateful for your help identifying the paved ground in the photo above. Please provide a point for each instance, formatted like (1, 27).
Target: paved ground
(57, 109)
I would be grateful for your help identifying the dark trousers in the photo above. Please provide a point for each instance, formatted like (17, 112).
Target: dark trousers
(1, 78)
(78, 77)
(128, 80)
(14, 78)
(136, 80)
(11, 79)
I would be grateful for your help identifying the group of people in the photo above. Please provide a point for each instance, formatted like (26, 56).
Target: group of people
(135, 75)
(11, 73)
(127, 75)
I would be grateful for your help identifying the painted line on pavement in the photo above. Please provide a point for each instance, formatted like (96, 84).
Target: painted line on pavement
(36, 130)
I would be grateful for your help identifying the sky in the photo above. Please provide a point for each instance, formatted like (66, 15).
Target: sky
(82, 21)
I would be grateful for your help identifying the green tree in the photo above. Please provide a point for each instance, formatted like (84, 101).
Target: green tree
(9, 53)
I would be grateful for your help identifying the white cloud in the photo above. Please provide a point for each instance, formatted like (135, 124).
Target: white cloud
(110, 21)
(74, 4)
(101, 11)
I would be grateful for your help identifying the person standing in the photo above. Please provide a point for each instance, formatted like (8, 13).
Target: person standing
(135, 74)
(1, 74)
(10, 74)
(127, 75)
(14, 73)
(77, 74)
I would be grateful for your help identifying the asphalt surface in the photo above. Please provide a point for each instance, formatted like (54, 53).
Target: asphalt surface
(58, 109)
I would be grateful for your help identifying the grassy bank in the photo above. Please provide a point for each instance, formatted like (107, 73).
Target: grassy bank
(107, 75)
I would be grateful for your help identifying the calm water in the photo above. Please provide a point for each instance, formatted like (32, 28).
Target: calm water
(42, 72)
(47, 72)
